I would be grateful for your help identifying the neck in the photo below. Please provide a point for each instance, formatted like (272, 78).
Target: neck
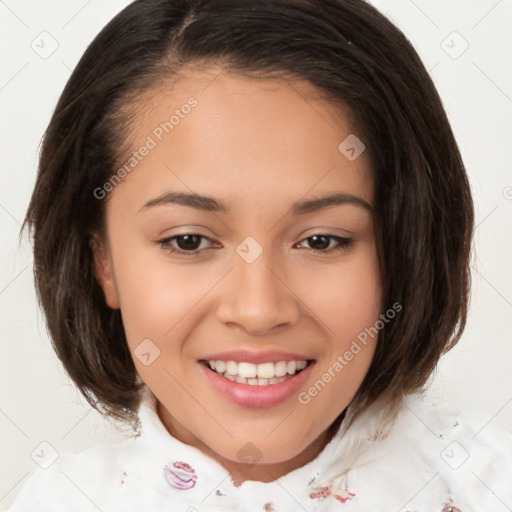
(241, 472)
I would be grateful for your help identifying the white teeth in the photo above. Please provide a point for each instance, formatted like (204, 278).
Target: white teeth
(255, 381)
(219, 366)
(291, 367)
(232, 367)
(266, 370)
(247, 370)
(280, 370)
(257, 374)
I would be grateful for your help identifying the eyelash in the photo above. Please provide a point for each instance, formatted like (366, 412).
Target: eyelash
(342, 244)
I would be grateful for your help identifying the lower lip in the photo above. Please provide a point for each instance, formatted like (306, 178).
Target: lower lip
(257, 396)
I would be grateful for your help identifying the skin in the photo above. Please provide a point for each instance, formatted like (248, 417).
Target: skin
(259, 146)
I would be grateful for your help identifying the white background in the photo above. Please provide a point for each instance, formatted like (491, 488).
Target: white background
(37, 401)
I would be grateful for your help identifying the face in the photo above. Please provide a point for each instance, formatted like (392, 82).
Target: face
(217, 249)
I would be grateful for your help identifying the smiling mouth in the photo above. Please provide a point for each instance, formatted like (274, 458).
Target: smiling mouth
(263, 374)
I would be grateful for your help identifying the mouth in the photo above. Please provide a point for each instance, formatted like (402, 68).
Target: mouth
(252, 385)
(263, 374)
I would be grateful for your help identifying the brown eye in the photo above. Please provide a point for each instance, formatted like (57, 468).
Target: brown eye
(319, 242)
(188, 244)
(323, 243)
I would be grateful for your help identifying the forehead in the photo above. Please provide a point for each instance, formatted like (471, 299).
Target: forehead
(265, 139)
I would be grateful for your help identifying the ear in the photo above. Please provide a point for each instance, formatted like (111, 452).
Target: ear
(103, 270)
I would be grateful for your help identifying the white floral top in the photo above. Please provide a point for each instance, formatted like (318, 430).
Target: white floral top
(430, 459)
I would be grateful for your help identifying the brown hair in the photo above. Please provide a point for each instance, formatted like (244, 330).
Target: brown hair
(348, 50)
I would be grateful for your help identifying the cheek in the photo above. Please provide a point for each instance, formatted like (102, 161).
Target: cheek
(345, 297)
(156, 295)
(347, 300)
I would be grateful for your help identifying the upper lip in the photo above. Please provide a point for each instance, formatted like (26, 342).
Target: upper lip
(255, 356)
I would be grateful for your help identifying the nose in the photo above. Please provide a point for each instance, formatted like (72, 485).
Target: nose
(256, 298)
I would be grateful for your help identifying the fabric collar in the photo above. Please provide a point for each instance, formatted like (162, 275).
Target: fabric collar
(185, 471)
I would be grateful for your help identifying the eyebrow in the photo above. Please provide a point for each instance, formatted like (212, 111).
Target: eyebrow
(210, 204)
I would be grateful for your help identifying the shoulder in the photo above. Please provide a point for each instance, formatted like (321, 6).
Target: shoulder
(425, 456)
(84, 481)
(463, 459)
(461, 434)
